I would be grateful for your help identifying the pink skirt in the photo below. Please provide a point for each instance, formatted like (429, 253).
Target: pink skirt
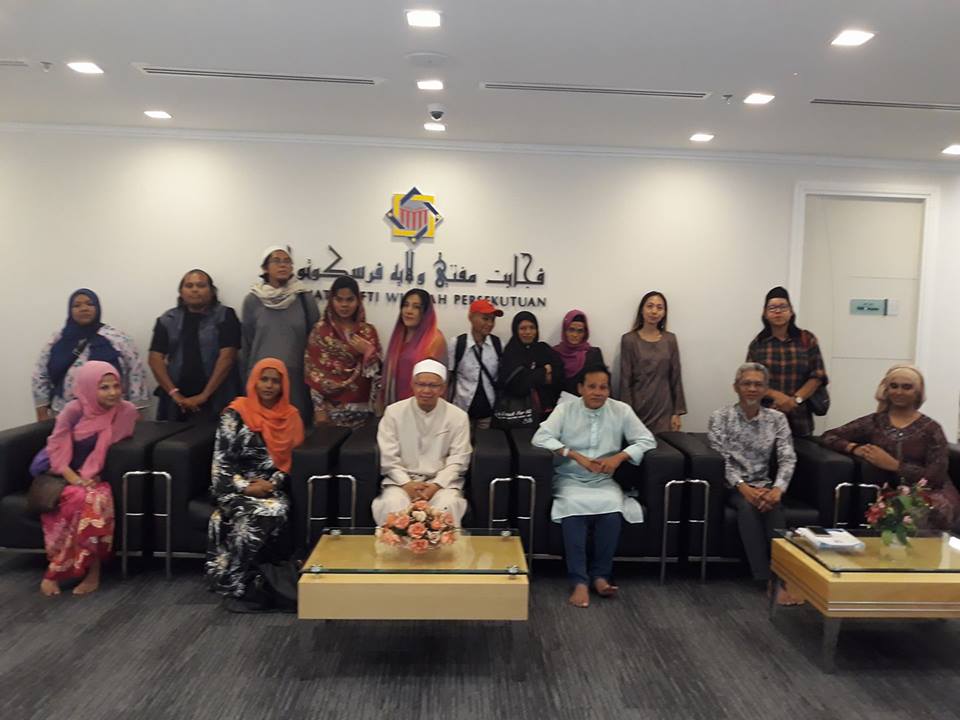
(80, 530)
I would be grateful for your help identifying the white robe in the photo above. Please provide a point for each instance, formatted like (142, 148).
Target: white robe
(416, 446)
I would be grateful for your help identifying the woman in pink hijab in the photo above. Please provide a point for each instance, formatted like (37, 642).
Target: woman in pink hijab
(78, 534)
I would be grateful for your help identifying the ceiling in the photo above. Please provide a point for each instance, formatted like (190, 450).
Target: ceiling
(715, 46)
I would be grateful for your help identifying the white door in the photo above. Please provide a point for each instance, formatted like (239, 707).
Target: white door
(857, 248)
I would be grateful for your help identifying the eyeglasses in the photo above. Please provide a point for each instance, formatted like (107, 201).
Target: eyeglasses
(778, 308)
(280, 261)
(752, 384)
(427, 386)
(900, 386)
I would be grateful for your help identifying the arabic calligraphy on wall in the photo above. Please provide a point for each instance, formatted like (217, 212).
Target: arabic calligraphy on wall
(518, 273)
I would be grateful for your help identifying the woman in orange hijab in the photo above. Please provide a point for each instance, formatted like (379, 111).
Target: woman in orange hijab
(251, 460)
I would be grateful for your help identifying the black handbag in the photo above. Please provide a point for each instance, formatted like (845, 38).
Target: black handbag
(510, 411)
(44, 493)
(819, 402)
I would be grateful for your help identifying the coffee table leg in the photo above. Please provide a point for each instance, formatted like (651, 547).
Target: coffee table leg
(831, 629)
(520, 654)
(775, 585)
(309, 659)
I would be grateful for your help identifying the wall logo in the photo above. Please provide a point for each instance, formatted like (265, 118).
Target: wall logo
(413, 216)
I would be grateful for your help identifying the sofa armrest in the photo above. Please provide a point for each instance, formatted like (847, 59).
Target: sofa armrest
(818, 472)
(18, 446)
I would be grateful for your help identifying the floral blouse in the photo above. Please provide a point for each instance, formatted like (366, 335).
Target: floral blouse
(134, 375)
(240, 457)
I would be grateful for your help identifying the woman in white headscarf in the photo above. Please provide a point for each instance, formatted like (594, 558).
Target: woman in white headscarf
(277, 317)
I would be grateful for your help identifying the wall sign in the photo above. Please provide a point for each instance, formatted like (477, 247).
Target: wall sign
(414, 217)
(864, 306)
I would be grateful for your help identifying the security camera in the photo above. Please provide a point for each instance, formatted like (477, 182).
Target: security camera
(436, 110)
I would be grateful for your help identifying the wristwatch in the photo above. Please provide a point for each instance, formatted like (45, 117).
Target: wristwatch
(798, 400)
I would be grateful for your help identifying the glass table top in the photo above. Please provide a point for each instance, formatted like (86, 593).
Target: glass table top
(927, 552)
(475, 552)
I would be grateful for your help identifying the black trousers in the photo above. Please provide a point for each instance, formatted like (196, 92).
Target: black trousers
(756, 532)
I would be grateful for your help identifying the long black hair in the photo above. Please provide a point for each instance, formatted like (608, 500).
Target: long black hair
(425, 300)
(638, 323)
(213, 288)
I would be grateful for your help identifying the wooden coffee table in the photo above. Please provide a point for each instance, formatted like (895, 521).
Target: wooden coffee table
(351, 576)
(920, 581)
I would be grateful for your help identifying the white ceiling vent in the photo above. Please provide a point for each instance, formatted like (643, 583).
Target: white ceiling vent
(13, 64)
(885, 104)
(243, 75)
(593, 90)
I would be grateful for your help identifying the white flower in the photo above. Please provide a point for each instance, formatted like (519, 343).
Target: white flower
(418, 515)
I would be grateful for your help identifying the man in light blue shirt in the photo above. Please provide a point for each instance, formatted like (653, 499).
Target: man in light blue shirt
(586, 437)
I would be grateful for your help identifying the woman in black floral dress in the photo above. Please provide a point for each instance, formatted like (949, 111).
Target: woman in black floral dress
(251, 459)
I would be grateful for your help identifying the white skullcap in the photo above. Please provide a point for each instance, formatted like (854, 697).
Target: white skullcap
(430, 366)
(271, 250)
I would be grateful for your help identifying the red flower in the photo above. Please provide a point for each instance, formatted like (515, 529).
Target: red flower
(417, 530)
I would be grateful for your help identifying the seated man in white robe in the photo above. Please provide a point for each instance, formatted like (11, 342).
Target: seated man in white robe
(425, 448)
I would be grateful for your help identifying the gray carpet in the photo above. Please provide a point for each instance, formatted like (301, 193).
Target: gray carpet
(147, 648)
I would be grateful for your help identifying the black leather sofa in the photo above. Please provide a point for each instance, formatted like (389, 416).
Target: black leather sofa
(185, 514)
(21, 531)
(648, 480)
(809, 500)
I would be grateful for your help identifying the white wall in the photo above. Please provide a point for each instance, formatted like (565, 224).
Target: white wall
(127, 216)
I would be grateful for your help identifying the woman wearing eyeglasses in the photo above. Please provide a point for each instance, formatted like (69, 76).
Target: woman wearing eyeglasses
(903, 443)
(792, 356)
(277, 317)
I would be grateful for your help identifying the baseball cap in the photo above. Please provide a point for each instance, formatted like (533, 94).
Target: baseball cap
(485, 307)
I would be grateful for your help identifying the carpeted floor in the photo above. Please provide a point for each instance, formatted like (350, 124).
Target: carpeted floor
(148, 648)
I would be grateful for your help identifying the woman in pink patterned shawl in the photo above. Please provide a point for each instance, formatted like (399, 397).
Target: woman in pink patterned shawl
(78, 534)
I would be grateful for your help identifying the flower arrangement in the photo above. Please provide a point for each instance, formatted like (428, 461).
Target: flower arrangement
(898, 511)
(419, 528)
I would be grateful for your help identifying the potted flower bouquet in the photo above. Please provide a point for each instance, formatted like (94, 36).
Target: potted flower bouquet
(419, 528)
(899, 511)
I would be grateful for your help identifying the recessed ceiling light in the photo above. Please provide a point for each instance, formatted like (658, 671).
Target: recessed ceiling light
(157, 114)
(430, 84)
(758, 98)
(434, 127)
(852, 38)
(952, 150)
(701, 137)
(423, 18)
(87, 68)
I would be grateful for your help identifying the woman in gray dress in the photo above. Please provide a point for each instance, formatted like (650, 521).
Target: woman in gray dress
(650, 367)
(277, 317)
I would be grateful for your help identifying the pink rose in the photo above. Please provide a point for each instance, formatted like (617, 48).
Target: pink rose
(417, 530)
(436, 524)
(448, 518)
(922, 482)
(447, 538)
(391, 519)
(421, 505)
(419, 546)
(907, 520)
(402, 522)
(389, 537)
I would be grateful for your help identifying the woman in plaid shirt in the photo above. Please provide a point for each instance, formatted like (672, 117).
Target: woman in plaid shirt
(793, 359)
